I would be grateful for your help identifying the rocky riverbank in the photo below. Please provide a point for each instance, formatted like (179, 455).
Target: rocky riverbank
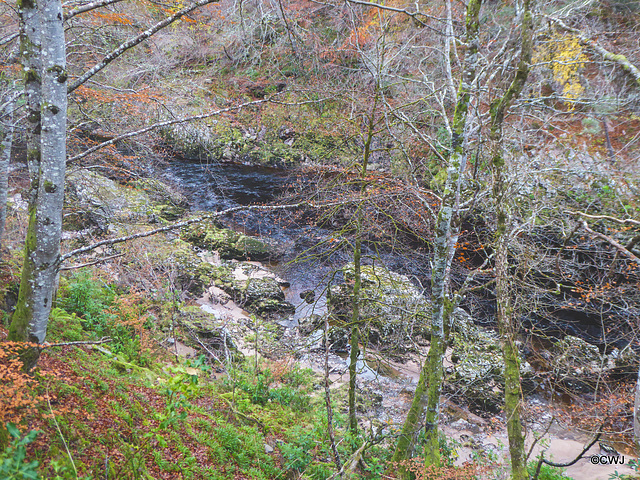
(239, 307)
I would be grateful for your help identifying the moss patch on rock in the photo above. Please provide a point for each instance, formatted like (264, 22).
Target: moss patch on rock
(253, 288)
(229, 244)
(393, 311)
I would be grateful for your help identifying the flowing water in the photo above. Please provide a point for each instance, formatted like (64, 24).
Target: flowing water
(214, 187)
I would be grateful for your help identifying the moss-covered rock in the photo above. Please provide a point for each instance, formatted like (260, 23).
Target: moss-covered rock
(229, 244)
(580, 367)
(393, 312)
(277, 146)
(189, 271)
(252, 287)
(168, 202)
(201, 326)
(96, 201)
(477, 374)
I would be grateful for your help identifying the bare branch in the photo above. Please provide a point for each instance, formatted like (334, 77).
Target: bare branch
(413, 15)
(135, 41)
(610, 240)
(88, 7)
(605, 217)
(168, 228)
(8, 38)
(160, 125)
(99, 260)
(621, 60)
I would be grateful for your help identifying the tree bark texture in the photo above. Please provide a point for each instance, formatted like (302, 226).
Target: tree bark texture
(30, 33)
(429, 386)
(504, 313)
(42, 246)
(6, 140)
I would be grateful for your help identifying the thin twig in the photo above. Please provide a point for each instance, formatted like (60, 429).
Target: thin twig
(61, 436)
(64, 344)
(99, 260)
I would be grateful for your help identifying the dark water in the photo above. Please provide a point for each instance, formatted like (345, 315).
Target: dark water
(215, 186)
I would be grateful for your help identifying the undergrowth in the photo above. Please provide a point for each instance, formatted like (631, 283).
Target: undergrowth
(122, 410)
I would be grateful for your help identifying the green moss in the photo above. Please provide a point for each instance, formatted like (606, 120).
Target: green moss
(229, 244)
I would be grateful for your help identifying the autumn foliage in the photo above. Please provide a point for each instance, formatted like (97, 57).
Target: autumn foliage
(17, 397)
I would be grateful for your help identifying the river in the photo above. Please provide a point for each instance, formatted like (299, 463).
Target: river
(215, 186)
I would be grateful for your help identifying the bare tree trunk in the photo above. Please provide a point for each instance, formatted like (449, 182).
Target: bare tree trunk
(636, 414)
(357, 255)
(6, 140)
(504, 313)
(42, 246)
(30, 33)
(429, 386)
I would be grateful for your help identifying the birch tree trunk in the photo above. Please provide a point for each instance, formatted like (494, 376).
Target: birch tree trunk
(30, 33)
(429, 386)
(42, 246)
(6, 140)
(504, 312)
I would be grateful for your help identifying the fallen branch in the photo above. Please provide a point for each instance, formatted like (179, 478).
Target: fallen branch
(605, 217)
(64, 344)
(611, 241)
(99, 260)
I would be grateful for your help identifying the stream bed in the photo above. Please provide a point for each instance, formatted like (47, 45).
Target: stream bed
(213, 187)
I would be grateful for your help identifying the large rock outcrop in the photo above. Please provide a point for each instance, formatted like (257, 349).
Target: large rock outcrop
(229, 244)
(393, 312)
(253, 287)
(476, 373)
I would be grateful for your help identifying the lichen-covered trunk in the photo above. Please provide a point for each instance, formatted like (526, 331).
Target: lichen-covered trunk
(636, 414)
(508, 334)
(429, 386)
(42, 246)
(357, 257)
(6, 140)
(30, 35)
(504, 314)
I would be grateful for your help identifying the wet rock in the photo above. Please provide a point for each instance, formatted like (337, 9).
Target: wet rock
(392, 310)
(253, 287)
(477, 375)
(229, 244)
(308, 296)
(308, 324)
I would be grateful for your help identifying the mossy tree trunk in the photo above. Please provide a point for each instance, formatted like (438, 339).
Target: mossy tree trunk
(429, 386)
(357, 258)
(504, 312)
(42, 246)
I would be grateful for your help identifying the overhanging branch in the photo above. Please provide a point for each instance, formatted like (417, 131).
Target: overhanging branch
(135, 41)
